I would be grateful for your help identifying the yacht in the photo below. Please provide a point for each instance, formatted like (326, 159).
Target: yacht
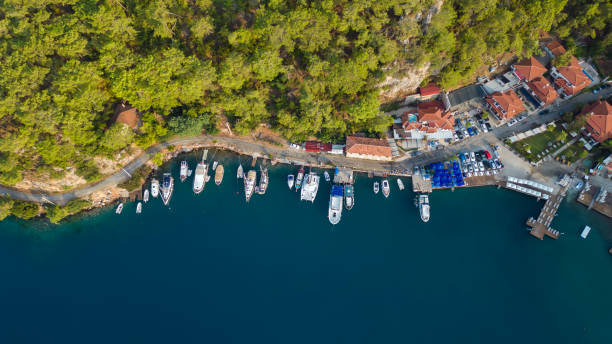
(376, 187)
(290, 181)
(385, 188)
(219, 175)
(310, 187)
(240, 172)
(249, 184)
(400, 184)
(139, 208)
(200, 177)
(184, 170)
(145, 197)
(349, 197)
(585, 232)
(335, 204)
(167, 188)
(154, 188)
(300, 178)
(263, 181)
(424, 207)
(326, 175)
(119, 208)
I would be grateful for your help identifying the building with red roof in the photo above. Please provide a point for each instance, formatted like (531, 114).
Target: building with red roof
(505, 105)
(367, 148)
(554, 49)
(430, 121)
(430, 90)
(128, 115)
(570, 79)
(541, 89)
(528, 69)
(599, 120)
(316, 146)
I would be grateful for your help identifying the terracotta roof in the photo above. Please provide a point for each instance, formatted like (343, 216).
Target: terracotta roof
(556, 48)
(367, 146)
(574, 74)
(431, 117)
(429, 90)
(508, 101)
(543, 89)
(599, 120)
(529, 69)
(126, 114)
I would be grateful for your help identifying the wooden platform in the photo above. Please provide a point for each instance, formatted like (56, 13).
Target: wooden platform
(421, 185)
(588, 199)
(540, 227)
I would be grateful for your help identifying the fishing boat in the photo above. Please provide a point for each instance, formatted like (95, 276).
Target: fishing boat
(349, 197)
(240, 172)
(219, 175)
(290, 181)
(326, 175)
(119, 208)
(249, 184)
(385, 188)
(310, 187)
(424, 207)
(334, 212)
(376, 187)
(200, 177)
(263, 181)
(139, 208)
(585, 232)
(215, 163)
(400, 184)
(145, 197)
(184, 169)
(300, 178)
(154, 188)
(167, 188)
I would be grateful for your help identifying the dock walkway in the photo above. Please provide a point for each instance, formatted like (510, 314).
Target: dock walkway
(541, 226)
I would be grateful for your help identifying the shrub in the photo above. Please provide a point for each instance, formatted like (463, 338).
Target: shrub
(5, 207)
(137, 179)
(24, 210)
(56, 213)
(89, 171)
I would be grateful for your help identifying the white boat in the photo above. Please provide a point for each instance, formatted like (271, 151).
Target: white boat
(400, 184)
(167, 188)
(310, 187)
(119, 208)
(349, 196)
(145, 197)
(263, 181)
(424, 207)
(326, 175)
(334, 212)
(184, 169)
(215, 163)
(385, 188)
(138, 208)
(154, 188)
(290, 181)
(219, 174)
(200, 177)
(376, 187)
(249, 184)
(585, 232)
(240, 172)
(300, 178)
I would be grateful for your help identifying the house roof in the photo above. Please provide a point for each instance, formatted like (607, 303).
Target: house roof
(367, 146)
(431, 118)
(508, 101)
(600, 118)
(555, 48)
(429, 90)
(543, 89)
(574, 74)
(126, 114)
(529, 69)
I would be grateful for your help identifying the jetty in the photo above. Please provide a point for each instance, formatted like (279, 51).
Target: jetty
(420, 184)
(343, 175)
(596, 198)
(540, 227)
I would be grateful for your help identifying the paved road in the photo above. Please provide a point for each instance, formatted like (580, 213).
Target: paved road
(297, 156)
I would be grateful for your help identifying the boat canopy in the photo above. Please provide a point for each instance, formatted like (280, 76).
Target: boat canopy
(348, 190)
(337, 190)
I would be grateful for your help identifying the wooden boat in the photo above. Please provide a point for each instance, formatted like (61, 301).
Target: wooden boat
(145, 197)
(400, 184)
(376, 187)
(184, 169)
(290, 181)
(385, 188)
(119, 208)
(240, 172)
(219, 174)
(139, 208)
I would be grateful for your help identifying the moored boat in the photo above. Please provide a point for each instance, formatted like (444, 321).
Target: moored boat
(263, 181)
(219, 175)
(249, 184)
(119, 208)
(167, 188)
(145, 197)
(424, 207)
(214, 167)
(385, 188)
(154, 188)
(376, 187)
(300, 178)
(349, 197)
(184, 169)
(199, 180)
(310, 187)
(139, 208)
(400, 184)
(290, 181)
(326, 175)
(334, 212)
(585, 232)
(240, 172)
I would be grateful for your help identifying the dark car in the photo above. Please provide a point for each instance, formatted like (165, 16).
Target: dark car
(488, 125)
(544, 112)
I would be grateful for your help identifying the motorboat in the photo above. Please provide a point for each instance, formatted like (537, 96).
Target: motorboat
(310, 187)
(424, 207)
(154, 188)
(376, 187)
(145, 197)
(326, 175)
(290, 181)
(199, 180)
(263, 181)
(300, 178)
(184, 170)
(400, 184)
(349, 197)
(249, 184)
(214, 166)
(585, 232)
(167, 188)
(240, 172)
(119, 208)
(386, 190)
(335, 204)
(219, 174)
(139, 208)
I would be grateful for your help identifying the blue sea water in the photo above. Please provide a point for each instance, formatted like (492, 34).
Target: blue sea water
(213, 269)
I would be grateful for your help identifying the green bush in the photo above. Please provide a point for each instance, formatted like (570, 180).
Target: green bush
(137, 179)
(5, 207)
(56, 213)
(24, 210)
(89, 171)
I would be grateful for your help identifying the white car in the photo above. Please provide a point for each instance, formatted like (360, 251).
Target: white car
(481, 166)
(472, 157)
(488, 173)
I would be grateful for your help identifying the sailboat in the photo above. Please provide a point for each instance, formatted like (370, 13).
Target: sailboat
(249, 184)
(263, 181)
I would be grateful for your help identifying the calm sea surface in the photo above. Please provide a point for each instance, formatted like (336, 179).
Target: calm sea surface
(213, 269)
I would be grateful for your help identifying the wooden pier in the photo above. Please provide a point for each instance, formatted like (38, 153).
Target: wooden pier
(541, 226)
(421, 185)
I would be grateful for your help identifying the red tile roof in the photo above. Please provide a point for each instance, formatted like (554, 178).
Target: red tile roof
(508, 101)
(367, 146)
(429, 90)
(573, 73)
(126, 114)
(529, 69)
(599, 122)
(431, 118)
(556, 48)
(543, 89)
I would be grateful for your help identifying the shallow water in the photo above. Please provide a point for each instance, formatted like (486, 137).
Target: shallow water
(212, 268)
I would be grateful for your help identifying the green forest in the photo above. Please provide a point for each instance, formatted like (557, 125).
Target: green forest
(305, 68)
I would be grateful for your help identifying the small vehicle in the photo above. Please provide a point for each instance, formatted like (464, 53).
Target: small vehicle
(466, 133)
(511, 122)
(487, 154)
(472, 156)
(470, 131)
(544, 112)
(481, 166)
(456, 137)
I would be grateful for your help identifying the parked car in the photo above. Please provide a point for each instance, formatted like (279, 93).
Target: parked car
(544, 112)
(470, 131)
(488, 125)
(456, 137)
(481, 166)
(472, 156)
(511, 122)
(487, 154)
